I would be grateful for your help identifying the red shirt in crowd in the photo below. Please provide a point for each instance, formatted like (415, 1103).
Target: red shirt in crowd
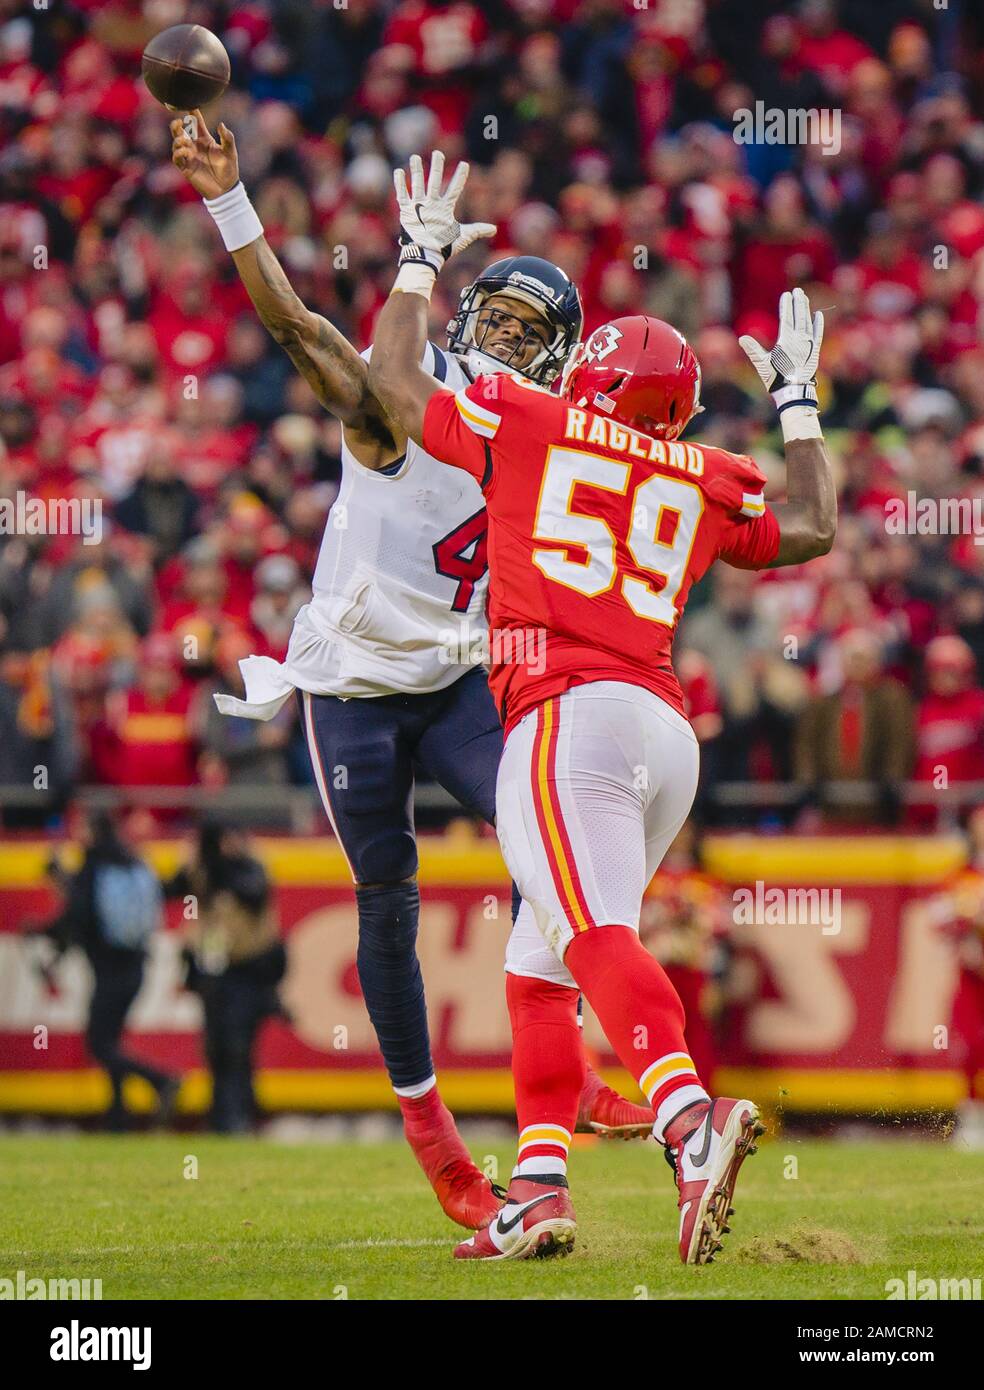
(150, 742)
(444, 39)
(950, 734)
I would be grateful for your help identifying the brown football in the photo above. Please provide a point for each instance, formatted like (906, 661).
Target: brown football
(185, 66)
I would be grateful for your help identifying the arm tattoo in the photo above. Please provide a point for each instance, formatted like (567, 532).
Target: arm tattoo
(276, 281)
(325, 359)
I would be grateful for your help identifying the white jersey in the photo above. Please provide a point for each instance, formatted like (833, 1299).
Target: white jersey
(399, 590)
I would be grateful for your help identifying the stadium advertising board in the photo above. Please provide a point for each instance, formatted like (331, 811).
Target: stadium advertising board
(847, 1012)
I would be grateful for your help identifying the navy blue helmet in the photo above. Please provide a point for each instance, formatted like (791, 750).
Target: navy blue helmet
(536, 282)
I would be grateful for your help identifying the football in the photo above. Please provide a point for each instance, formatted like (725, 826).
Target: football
(185, 66)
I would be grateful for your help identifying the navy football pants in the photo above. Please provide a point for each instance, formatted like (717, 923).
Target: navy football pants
(363, 752)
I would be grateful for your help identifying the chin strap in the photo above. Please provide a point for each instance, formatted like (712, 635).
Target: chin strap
(481, 363)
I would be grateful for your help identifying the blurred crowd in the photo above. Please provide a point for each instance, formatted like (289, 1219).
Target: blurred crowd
(600, 133)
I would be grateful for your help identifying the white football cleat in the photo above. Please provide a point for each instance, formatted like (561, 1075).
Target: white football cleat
(707, 1161)
(537, 1221)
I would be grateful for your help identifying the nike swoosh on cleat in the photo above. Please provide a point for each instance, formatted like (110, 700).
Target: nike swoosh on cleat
(700, 1159)
(504, 1227)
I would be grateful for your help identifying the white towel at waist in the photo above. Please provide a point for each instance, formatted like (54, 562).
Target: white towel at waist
(268, 688)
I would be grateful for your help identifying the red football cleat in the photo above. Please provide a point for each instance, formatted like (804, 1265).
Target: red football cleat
(713, 1142)
(603, 1111)
(465, 1194)
(536, 1222)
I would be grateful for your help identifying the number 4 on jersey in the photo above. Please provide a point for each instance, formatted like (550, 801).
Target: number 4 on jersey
(463, 555)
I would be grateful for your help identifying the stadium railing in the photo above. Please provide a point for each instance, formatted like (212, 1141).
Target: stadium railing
(298, 808)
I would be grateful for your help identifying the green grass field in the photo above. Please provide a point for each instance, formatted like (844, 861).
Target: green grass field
(265, 1220)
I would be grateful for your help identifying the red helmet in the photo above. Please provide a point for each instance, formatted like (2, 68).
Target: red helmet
(640, 371)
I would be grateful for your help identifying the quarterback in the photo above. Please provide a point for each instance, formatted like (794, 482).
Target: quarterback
(600, 520)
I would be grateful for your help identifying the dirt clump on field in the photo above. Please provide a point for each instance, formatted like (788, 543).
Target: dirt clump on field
(805, 1245)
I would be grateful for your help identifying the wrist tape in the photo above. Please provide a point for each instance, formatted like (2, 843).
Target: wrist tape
(799, 415)
(416, 277)
(800, 422)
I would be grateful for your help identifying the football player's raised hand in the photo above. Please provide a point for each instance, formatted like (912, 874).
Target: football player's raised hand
(794, 359)
(429, 229)
(211, 166)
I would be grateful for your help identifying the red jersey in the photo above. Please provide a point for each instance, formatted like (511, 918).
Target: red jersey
(596, 533)
(153, 741)
(950, 734)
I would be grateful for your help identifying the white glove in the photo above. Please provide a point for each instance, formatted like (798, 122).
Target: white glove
(429, 231)
(789, 372)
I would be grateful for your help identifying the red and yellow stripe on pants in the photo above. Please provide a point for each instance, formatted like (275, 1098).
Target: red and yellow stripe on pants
(550, 818)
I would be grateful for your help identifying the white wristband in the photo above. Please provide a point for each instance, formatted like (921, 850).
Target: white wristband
(415, 277)
(235, 217)
(800, 422)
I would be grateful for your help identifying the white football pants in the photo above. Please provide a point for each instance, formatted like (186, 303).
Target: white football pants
(593, 788)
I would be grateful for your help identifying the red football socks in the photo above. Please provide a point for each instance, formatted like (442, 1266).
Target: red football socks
(548, 1070)
(640, 1012)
